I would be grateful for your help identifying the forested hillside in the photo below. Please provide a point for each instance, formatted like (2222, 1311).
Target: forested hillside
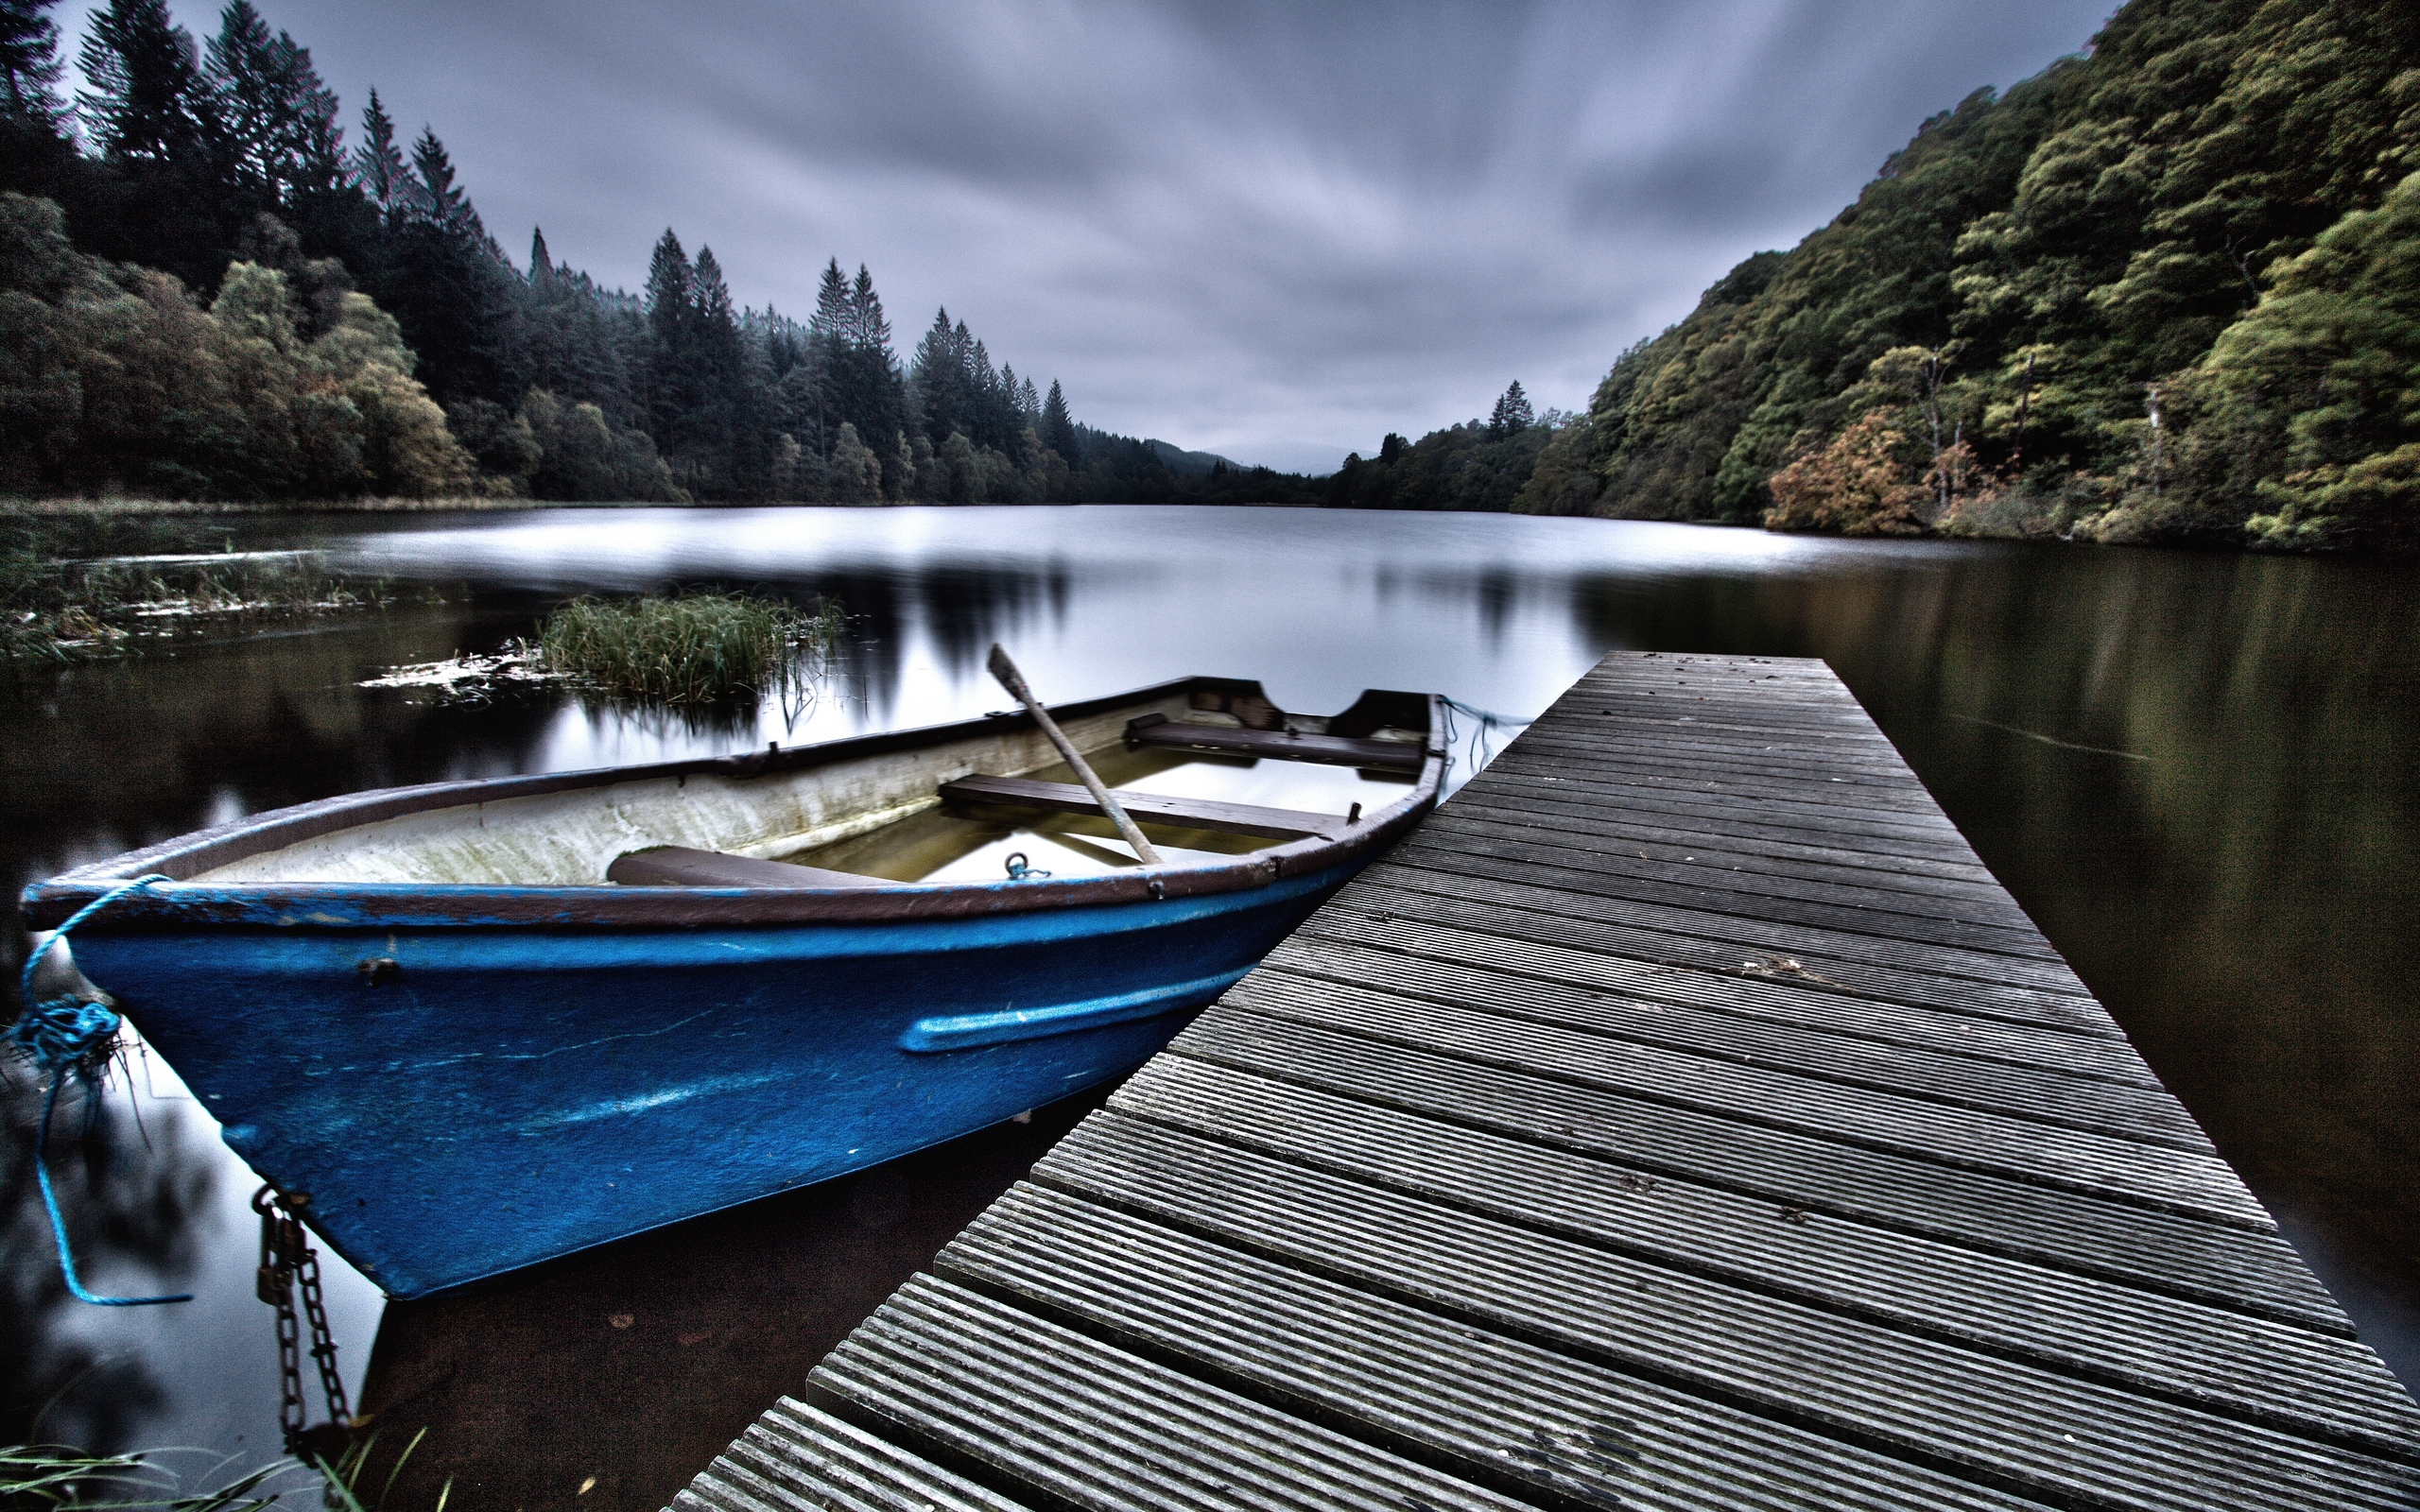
(2170, 290)
(207, 290)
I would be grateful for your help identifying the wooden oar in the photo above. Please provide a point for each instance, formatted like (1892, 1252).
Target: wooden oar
(1013, 680)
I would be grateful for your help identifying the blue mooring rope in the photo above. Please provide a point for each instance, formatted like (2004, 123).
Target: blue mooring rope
(1485, 722)
(68, 1036)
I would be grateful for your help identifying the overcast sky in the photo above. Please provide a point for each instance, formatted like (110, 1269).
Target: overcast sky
(1276, 233)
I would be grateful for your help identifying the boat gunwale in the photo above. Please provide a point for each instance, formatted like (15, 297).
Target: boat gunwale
(368, 906)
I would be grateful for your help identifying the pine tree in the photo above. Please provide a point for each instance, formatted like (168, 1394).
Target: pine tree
(671, 288)
(867, 327)
(378, 164)
(148, 104)
(1058, 429)
(244, 73)
(831, 319)
(860, 379)
(450, 286)
(1512, 414)
(941, 378)
(30, 66)
(711, 296)
(282, 135)
(542, 267)
(434, 195)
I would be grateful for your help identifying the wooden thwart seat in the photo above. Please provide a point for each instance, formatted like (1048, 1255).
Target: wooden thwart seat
(1331, 750)
(679, 865)
(1148, 808)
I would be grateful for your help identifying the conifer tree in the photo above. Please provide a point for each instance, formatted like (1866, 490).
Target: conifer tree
(283, 140)
(148, 104)
(1058, 429)
(542, 267)
(671, 287)
(831, 319)
(378, 164)
(711, 296)
(1512, 414)
(867, 327)
(940, 377)
(30, 66)
(434, 197)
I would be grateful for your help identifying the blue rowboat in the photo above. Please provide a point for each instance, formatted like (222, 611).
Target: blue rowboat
(467, 1027)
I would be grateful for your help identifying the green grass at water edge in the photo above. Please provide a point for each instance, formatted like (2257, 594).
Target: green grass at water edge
(64, 609)
(692, 647)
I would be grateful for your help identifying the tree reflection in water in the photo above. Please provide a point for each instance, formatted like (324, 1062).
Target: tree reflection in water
(129, 1187)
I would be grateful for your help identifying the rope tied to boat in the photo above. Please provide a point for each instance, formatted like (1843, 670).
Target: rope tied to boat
(70, 1036)
(1485, 722)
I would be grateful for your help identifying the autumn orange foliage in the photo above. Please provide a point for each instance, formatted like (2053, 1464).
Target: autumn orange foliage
(1861, 485)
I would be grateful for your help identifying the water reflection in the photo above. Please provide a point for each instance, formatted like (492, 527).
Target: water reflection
(130, 1194)
(2243, 898)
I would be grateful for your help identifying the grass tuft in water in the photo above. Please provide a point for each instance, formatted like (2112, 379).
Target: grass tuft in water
(40, 1476)
(692, 647)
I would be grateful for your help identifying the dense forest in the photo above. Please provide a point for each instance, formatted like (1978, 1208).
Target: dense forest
(207, 292)
(2167, 291)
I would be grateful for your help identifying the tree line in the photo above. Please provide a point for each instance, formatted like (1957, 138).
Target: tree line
(205, 291)
(2167, 291)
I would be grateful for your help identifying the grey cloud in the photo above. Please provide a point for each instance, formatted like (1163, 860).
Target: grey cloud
(1274, 230)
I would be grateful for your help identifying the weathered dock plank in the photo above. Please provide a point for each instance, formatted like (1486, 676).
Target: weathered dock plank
(1684, 1118)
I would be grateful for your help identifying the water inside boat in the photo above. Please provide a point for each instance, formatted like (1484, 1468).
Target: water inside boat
(961, 841)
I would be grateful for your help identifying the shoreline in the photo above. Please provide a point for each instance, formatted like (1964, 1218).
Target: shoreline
(124, 508)
(78, 508)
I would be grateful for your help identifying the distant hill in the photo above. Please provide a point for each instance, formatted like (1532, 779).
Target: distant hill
(1186, 464)
(2161, 292)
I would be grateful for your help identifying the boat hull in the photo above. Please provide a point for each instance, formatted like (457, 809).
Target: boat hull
(497, 1096)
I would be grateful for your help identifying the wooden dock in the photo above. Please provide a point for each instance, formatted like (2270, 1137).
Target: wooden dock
(1683, 1118)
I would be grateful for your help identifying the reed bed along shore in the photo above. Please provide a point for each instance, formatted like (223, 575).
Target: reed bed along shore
(699, 647)
(66, 609)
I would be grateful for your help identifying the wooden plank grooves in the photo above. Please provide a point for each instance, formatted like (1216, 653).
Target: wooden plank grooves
(2242, 1269)
(1683, 1118)
(1706, 889)
(1494, 1407)
(1924, 1397)
(1673, 824)
(796, 1454)
(2017, 1091)
(1729, 888)
(2171, 1180)
(1383, 899)
(1792, 997)
(1719, 932)
(1971, 899)
(2324, 1386)
(1087, 1425)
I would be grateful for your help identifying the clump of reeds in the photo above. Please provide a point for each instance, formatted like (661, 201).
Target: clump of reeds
(692, 647)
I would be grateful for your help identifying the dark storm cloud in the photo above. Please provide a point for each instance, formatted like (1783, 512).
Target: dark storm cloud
(1271, 231)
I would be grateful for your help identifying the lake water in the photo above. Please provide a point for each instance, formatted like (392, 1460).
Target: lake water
(2194, 771)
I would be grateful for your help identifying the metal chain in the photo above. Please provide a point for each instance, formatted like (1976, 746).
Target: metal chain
(286, 1256)
(323, 1343)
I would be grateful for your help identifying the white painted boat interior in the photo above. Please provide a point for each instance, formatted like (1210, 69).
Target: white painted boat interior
(879, 816)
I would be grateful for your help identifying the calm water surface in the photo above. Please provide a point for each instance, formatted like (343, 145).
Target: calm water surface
(2193, 771)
